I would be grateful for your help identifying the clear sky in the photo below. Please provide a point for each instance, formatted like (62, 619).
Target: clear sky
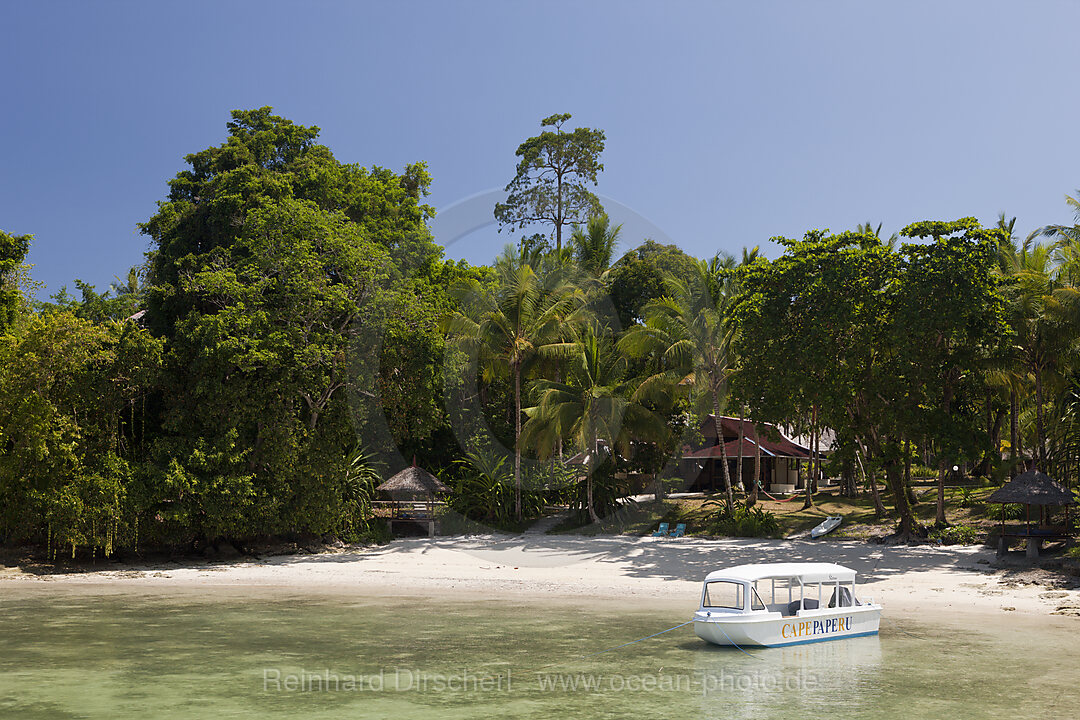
(727, 123)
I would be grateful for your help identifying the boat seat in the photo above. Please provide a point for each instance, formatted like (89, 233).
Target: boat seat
(845, 598)
(805, 604)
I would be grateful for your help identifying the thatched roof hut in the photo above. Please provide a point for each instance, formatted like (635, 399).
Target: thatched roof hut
(414, 482)
(1032, 488)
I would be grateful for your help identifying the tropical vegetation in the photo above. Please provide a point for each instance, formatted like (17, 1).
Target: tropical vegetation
(295, 334)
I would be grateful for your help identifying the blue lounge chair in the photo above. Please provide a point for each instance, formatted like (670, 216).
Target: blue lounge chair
(662, 531)
(679, 530)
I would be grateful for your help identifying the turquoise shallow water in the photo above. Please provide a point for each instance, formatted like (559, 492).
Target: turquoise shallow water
(69, 652)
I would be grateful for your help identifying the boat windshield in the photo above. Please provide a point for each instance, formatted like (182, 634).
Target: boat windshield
(724, 594)
(788, 595)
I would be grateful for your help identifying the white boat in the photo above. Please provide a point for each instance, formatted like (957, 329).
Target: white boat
(773, 605)
(826, 526)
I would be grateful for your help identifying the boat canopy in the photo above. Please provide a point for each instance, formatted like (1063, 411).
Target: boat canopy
(805, 572)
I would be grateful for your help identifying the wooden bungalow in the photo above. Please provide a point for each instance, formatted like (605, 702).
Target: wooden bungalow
(1038, 490)
(781, 457)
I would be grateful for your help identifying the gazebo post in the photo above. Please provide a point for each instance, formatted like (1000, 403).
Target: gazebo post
(1003, 543)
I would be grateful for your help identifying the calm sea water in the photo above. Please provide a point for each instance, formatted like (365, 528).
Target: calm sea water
(84, 653)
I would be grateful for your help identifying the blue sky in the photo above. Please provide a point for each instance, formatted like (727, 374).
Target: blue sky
(727, 123)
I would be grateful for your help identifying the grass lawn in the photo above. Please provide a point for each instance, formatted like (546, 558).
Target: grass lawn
(858, 513)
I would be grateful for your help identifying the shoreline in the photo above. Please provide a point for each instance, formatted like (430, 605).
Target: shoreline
(646, 572)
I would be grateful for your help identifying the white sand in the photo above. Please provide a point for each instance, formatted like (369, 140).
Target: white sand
(644, 571)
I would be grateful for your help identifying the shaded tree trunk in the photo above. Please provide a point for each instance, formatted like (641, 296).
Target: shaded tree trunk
(757, 471)
(939, 519)
(742, 438)
(1017, 450)
(589, 479)
(879, 508)
(723, 450)
(1040, 433)
(912, 500)
(894, 476)
(809, 501)
(517, 445)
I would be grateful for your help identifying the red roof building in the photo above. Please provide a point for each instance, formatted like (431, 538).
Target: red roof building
(781, 457)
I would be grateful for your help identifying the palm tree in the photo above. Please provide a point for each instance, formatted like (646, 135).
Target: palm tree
(689, 333)
(594, 245)
(1043, 339)
(129, 285)
(524, 318)
(596, 402)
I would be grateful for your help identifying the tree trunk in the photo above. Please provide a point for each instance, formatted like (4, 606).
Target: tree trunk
(723, 450)
(739, 464)
(1040, 436)
(847, 478)
(757, 470)
(984, 466)
(517, 441)
(879, 508)
(895, 477)
(912, 500)
(809, 501)
(589, 479)
(1014, 432)
(940, 520)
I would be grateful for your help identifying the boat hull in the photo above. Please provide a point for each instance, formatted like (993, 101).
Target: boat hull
(774, 630)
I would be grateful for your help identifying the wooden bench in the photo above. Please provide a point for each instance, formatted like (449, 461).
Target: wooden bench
(1034, 536)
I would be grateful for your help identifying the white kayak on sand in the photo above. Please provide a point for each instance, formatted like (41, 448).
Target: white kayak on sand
(827, 526)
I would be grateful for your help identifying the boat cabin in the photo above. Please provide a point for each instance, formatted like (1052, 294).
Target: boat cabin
(784, 588)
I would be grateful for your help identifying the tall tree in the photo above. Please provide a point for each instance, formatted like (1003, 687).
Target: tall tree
(266, 257)
(594, 244)
(690, 334)
(520, 321)
(553, 175)
(596, 402)
(826, 327)
(13, 249)
(637, 278)
(813, 326)
(949, 310)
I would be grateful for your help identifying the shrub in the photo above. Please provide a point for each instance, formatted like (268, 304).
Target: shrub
(484, 491)
(1014, 511)
(742, 522)
(607, 490)
(955, 535)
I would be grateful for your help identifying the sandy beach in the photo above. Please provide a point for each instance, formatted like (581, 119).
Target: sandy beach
(907, 580)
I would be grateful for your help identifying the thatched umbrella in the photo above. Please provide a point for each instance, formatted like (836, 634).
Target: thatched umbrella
(1033, 488)
(413, 482)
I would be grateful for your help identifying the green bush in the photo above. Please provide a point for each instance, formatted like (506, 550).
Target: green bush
(606, 491)
(742, 522)
(1014, 511)
(484, 491)
(955, 535)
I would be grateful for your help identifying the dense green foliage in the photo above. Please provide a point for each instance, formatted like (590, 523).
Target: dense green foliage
(295, 336)
(742, 521)
(13, 249)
